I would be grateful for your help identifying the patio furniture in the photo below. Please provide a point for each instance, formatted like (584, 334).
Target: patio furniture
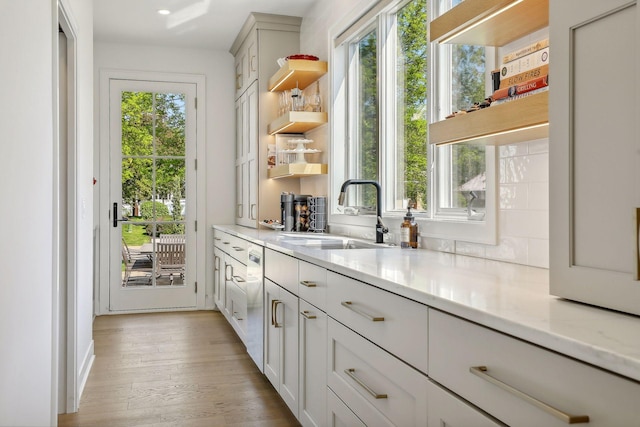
(170, 259)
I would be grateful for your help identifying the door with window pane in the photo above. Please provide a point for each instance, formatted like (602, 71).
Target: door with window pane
(152, 145)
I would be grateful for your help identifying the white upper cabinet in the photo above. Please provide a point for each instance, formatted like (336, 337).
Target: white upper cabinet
(595, 153)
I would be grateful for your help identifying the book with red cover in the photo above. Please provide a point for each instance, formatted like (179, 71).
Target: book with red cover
(527, 86)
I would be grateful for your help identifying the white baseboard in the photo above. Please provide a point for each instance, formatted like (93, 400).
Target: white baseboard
(85, 369)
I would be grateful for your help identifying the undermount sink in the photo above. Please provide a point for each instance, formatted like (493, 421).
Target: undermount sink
(329, 242)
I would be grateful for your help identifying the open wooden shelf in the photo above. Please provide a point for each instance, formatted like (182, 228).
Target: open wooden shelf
(484, 29)
(297, 122)
(298, 72)
(520, 120)
(297, 170)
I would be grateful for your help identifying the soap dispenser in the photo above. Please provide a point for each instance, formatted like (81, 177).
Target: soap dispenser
(409, 231)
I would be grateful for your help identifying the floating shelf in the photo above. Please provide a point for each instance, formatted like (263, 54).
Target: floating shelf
(297, 170)
(479, 22)
(298, 72)
(297, 122)
(520, 120)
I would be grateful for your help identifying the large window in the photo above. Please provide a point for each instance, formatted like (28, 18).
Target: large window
(389, 82)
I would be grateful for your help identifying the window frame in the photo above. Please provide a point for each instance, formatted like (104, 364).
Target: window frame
(452, 224)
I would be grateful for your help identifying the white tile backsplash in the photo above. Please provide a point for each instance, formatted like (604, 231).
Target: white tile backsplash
(523, 223)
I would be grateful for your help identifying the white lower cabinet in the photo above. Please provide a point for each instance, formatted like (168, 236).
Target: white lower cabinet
(379, 388)
(218, 278)
(524, 385)
(312, 409)
(448, 410)
(339, 415)
(281, 342)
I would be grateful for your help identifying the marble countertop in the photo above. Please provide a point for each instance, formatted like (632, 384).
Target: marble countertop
(510, 298)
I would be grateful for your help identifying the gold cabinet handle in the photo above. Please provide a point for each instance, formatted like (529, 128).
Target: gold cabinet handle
(308, 284)
(251, 63)
(237, 248)
(481, 371)
(227, 277)
(349, 305)
(234, 314)
(636, 272)
(252, 211)
(306, 314)
(239, 210)
(274, 317)
(216, 263)
(351, 373)
(238, 279)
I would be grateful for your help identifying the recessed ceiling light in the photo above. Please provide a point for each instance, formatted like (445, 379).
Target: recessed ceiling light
(164, 12)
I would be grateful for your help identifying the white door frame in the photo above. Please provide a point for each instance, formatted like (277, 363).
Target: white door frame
(102, 306)
(65, 384)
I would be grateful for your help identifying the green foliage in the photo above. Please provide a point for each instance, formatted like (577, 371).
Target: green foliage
(147, 210)
(135, 234)
(153, 127)
(412, 66)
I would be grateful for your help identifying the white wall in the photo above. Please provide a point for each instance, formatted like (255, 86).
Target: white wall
(217, 67)
(82, 13)
(28, 33)
(523, 223)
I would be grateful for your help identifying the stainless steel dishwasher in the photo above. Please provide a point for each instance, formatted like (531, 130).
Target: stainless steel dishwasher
(255, 290)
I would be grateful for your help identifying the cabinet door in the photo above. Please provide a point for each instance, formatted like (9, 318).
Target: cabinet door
(313, 366)
(281, 342)
(240, 162)
(271, 333)
(251, 148)
(218, 278)
(287, 315)
(595, 153)
(252, 57)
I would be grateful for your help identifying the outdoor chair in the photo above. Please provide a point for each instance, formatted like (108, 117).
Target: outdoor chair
(172, 238)
(129, 260)
(170, 259)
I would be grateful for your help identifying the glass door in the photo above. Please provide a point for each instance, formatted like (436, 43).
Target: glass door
(152, 137)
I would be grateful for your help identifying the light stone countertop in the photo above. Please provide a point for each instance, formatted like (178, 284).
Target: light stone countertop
(510, 298)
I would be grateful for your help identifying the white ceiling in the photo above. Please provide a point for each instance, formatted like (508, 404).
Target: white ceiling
(211, 24)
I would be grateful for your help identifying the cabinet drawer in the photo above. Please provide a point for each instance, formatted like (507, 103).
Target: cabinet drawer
(237, 309)
(458, 347)
(338, 415)
(379, 388)
(446, 409)
(232, 245)
(282, 270)
(395, 323)
(312, 284)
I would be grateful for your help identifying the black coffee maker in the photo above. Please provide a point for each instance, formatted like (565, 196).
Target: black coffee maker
(294, 212)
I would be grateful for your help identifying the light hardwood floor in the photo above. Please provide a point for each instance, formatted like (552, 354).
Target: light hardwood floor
(174, 369)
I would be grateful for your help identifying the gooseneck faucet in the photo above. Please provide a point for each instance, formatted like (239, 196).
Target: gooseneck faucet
(380, 227)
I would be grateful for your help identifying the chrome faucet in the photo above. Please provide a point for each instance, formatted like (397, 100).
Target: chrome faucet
(380, 227)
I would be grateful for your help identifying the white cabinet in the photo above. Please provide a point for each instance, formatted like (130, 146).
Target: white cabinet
(448, 410)
(378, 387)
(339, 415)
(313, 365)
(524, 385)
(397, 324)
(218, 278)
(262, 40)
(595, 153)
(312, 289)
(281, 342)
(247, 156)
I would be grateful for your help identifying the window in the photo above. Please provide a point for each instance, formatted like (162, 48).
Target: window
(389, 81)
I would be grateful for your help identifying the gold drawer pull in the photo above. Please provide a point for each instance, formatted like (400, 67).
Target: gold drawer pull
(351, 373)
(274, 314)
(481, 371)
(636, 273)
(349, 305)
(306, 314)
(238, 279)
(308, 284)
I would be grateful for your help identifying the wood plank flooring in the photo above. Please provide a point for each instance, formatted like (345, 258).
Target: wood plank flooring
(186, 369)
